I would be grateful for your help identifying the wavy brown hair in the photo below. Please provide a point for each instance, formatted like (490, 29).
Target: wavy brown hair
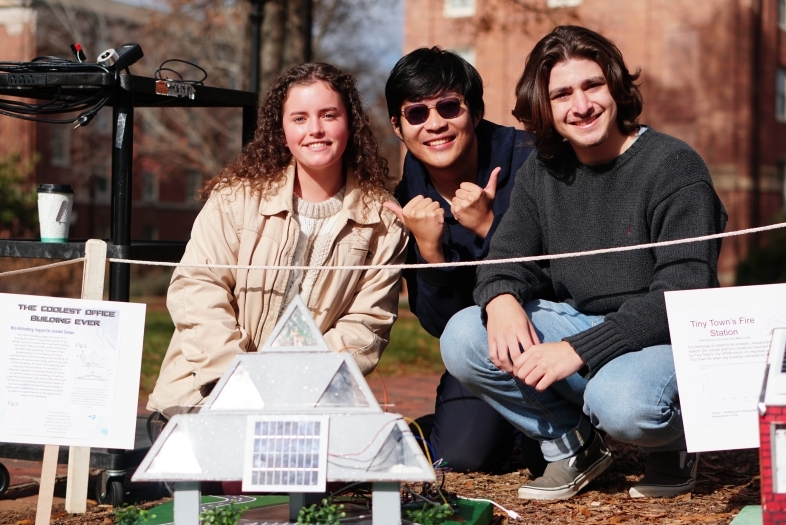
(264, 160)
(533, 106)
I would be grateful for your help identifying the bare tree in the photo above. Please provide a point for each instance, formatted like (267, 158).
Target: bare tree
(215, 34)
(286, 37)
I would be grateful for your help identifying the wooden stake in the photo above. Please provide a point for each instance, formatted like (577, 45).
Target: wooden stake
(46, 490)
(79, 457)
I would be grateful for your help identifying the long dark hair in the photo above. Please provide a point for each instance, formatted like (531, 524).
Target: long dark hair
(264, 160)
(533, 106)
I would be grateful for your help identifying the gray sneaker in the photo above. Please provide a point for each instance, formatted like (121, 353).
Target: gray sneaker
(667, 474)
(564, 478)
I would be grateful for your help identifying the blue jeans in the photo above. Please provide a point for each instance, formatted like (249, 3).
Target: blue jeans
(633, 398)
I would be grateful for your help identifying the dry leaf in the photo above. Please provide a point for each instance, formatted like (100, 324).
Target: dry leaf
(711, 517)
(24, 522)
(684, 497)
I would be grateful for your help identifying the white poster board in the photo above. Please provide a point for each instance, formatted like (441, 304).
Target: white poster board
(720, 338)
(69, 371)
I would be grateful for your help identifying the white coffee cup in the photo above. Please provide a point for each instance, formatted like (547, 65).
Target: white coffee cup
(55, 202)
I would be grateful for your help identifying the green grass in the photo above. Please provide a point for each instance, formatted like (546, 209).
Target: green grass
(411, 349)
(158, 332)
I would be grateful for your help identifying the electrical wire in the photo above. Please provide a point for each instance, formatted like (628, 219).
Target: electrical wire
(511, 513)
(422, 436)
(384, 391)
(421, 496)
(428, 455)
(64, 100)
(158, 74)
(431, 449)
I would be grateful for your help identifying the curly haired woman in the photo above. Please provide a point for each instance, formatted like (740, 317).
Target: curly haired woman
(308, 190)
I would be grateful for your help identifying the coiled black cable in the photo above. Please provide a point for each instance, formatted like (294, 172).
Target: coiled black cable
(65, 99)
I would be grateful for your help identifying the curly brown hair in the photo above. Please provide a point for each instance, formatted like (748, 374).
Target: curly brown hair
(264, 160)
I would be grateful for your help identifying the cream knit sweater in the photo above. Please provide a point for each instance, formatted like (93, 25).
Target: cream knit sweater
(317, 221)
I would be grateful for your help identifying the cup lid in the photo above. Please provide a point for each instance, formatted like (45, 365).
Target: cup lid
(55, 188)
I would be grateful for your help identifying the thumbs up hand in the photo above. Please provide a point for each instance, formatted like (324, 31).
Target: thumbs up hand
(425, 219)
(472, 205)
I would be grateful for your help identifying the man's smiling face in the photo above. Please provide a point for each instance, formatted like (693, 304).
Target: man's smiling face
(583, 110)
(439, 143)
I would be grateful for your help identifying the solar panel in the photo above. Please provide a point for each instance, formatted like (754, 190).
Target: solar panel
(285, 453)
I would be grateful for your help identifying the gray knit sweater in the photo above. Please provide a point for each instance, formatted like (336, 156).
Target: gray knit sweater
(659, 189)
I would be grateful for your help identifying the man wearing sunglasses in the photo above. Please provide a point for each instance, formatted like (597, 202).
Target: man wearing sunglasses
(457, 177)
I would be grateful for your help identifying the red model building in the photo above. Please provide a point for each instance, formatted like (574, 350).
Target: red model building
(772, 430)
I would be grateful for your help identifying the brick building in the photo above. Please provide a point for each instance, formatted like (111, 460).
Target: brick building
(164, 206)
(713, 75)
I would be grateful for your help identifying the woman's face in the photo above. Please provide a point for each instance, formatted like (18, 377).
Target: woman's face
(316, 128)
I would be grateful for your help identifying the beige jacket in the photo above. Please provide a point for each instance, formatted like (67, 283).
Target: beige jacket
(221, 313)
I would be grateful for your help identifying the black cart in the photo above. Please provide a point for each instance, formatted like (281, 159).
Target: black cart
(129, 92)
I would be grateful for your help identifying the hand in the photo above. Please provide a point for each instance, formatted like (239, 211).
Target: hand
(543, 364)
(425, 218)
(509, 331)
(472, 205)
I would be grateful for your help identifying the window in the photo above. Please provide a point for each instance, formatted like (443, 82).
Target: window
(458, 8)
(194, 183)
(60, 145)
(149, 232)
(782, 173)
(780, 95)
(782, 14)
(149, 187)
(101, 188)
(562, 3)
(467, 53)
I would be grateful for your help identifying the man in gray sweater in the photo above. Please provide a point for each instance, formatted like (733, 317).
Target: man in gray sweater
(571, 347)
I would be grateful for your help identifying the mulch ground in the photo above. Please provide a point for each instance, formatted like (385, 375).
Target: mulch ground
(727, 481)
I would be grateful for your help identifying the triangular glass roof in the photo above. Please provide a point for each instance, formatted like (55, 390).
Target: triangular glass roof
(343, 391)
(239, 392)
(296, 331)
(395, 455)
(175, 456)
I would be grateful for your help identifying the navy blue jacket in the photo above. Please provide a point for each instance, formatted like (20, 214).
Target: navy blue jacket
(435, 294)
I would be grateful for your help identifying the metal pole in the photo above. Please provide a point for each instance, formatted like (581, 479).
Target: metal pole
(256, 16)
(122, 155)
(120, 225)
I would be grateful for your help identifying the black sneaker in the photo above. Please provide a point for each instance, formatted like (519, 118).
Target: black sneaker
(667, 474)
(564, 478)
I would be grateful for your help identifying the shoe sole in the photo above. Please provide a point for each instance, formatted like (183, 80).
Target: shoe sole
(570, 490)
(661, 491)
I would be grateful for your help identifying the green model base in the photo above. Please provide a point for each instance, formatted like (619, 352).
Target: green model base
(166, 513)
(750, 515)
(471, 512)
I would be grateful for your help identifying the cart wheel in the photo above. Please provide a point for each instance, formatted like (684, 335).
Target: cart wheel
(114, 492)
(5, 479)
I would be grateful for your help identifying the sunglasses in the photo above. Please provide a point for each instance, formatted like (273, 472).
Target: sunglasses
(447, 108)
